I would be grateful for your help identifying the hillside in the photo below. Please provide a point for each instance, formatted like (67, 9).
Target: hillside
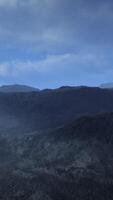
(48, 165)
(26, 112)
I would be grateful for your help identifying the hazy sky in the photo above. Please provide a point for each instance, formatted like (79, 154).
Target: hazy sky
(49, 43)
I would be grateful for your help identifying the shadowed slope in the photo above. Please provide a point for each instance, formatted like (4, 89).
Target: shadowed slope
(52, 108)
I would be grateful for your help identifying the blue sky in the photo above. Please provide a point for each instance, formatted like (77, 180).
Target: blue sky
(49, 43)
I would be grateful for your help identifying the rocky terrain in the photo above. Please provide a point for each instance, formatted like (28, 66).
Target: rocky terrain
(73, 161)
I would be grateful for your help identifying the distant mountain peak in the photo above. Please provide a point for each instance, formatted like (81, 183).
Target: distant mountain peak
(17, 88)
(107, 85)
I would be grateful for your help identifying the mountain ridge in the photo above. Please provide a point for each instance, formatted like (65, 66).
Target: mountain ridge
(17, 88)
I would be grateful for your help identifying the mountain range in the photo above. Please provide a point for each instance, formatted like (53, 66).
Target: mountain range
(46, 109)
(57, 144)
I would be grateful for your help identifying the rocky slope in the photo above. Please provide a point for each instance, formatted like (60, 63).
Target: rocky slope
(71, 162)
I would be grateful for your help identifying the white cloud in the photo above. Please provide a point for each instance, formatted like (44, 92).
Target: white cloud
(4, 69)
(89, 63)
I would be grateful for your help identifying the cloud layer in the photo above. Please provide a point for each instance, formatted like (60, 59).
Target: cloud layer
(41, 36)
(58, 69)
(56, 23)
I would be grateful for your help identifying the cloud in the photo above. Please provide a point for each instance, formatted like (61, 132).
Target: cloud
(74, 63)
(51, 24)
(8, 3)
(72, 37)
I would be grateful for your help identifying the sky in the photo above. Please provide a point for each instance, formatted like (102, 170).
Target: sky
(50, 43)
